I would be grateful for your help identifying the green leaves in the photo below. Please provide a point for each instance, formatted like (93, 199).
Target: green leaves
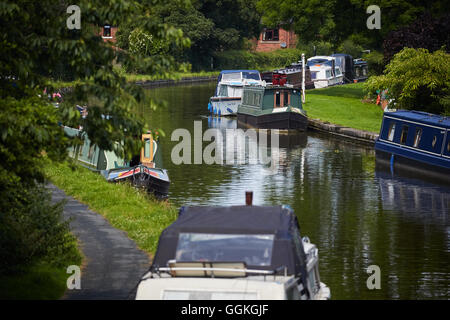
(416, 79)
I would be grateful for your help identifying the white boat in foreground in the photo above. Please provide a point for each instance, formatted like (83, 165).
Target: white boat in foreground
(234, 253)
(324, 71)
(228, 94)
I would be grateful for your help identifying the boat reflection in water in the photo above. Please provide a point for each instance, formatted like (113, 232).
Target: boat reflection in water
(415, 198)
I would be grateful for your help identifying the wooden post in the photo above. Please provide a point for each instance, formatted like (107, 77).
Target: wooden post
(303, 79)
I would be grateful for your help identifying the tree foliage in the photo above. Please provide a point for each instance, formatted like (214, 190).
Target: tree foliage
(425, 32)
(335, 21)
(417, 80)
(36, 45)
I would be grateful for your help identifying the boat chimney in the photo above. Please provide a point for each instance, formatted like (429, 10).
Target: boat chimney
(248, 198)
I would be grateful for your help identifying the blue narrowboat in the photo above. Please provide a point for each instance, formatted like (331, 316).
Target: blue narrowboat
(415, 139)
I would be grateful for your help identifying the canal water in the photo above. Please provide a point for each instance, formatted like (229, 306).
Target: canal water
(357, 213)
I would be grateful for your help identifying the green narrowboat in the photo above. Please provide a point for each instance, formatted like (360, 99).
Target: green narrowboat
(272, 107)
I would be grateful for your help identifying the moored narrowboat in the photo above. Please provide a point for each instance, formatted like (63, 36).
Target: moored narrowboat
(272, 107)
(141, 171)
(416, 140)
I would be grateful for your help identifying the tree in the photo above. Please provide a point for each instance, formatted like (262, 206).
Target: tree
(35, 43)
(335, 21)
(425, 32)
(416, 80)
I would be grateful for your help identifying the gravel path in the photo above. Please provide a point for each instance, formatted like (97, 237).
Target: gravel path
(113, 264)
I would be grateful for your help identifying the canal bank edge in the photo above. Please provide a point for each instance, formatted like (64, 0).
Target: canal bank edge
(346, 132)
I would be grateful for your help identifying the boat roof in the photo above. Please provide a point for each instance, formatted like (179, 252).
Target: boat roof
(420, 116)
(233, 71)
(321, 57)
(279, 221)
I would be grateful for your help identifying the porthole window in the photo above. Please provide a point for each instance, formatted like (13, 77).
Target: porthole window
(434, 141)
(448, 147)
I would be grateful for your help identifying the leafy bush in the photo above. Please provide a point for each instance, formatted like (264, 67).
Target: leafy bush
(241, 59)
(31, 230)
(351, 48)
(375, 61)
(316, 48)
(416, 79)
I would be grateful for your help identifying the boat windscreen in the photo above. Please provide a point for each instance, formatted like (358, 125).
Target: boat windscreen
(319, 61)
(251, 75)
(231, 76)
(253, 249)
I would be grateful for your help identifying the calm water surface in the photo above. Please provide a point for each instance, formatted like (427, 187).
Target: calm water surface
(357, 214)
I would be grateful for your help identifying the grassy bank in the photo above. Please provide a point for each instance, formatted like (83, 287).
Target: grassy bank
(40, 282)
(342, 105)
(131, 77)
(122, 205)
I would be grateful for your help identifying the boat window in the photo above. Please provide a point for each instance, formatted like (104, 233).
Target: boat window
(147, 148)
(314, 74)
(448, 147)
(328, 74)
(433, 144)
(91, 151)
(251, 75)
(338, 72)
(391, 131)
(253, 249)
(231, 76)
(417, 137)
(404, 134)
(286, 99)
(312, 281)
(257, 99)
(223, 92)
(277, 99)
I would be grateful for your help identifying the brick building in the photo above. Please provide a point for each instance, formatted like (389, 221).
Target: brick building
(273, 39)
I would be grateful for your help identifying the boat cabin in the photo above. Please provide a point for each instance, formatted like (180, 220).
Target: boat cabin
(416, 136)
(91, 156)
(324, 71)
(271, 97)
(236, 252)
(360, 70)
(345, 62)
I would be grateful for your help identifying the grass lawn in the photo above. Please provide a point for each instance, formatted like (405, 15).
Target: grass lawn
(342, 105)
(126, 208)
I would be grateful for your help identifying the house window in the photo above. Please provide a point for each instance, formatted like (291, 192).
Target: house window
(417, 137)
(391, 131)
(271, 35)
(404, 135)
(107, 31)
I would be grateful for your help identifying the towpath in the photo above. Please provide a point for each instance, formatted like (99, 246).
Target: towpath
(112, 263)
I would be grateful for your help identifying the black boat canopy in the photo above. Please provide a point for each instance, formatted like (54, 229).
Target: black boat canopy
(265, 238)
